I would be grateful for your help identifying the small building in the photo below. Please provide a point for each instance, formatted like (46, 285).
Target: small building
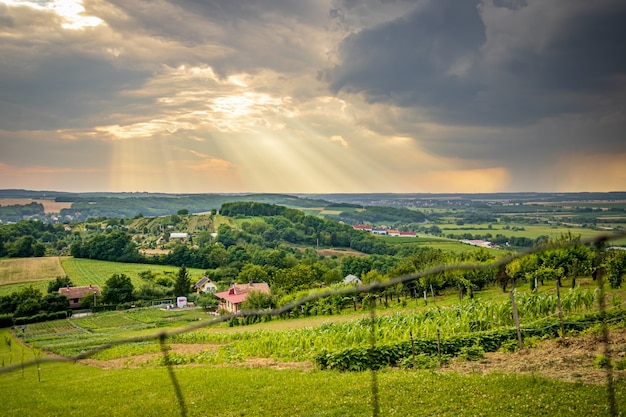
(205, 285)
(232, 298)
(179, 235)
(352, 279)
(75, 294)
(476, 242)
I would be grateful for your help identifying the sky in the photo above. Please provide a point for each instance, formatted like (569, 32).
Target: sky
(313, 96)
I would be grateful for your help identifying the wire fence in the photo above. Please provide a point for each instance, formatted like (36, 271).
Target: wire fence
(598, 242)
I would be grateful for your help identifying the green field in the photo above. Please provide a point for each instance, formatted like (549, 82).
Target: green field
(18, 273)
(54, 389)
(530, 231)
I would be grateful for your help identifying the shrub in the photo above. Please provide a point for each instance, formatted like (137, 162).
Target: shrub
(472, 353)
(6, 320)
(601, 362)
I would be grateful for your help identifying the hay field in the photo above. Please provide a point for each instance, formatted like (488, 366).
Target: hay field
(49, 206)
(29, 270)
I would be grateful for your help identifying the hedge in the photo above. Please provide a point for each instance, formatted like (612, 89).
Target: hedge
(360, 358)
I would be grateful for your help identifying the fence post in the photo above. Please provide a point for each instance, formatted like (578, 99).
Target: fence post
(439, 346)
(516, 318)
(558, 299)
(412, 347)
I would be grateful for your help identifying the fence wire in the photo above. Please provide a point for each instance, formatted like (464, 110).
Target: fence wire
(599, 242)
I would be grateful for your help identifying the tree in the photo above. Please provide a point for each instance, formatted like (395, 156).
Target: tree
(208, 301)
(88, 301)
(118, 289)
(257, 300)
(59, 282)
(615, 266)
(251, 273)
(54, 302)
(28, 301)
(182, 284)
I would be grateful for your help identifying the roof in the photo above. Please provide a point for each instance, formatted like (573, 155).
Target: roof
(204, 280)
(79, 292)
(239, 292)
(178, 235)
(350, 279)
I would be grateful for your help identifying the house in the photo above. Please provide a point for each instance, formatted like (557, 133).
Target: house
(232, 298)
(205, 285)
(177, 235)
(75, 294)
(479, 243)
(352, 279)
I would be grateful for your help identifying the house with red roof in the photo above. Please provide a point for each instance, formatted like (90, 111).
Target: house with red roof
(232, 298)
(75, 294)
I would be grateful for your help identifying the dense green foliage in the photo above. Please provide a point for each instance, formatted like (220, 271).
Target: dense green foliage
(182, 284)
(17, 212)
(115, 246)
(59, 282)
(29, 238)
(118, 289)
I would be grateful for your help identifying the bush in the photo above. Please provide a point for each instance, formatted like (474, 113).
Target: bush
(423, 361)
(6, 320)
(472, 353)
(601, 362)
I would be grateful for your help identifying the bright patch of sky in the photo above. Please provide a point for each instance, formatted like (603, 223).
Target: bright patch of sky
(72, 11)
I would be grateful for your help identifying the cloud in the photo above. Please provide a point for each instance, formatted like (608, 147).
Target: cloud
(313, 95)
(340, 140)
(490, 63)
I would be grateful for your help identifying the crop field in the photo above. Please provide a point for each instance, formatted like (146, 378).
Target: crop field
(88, 271)
(529, 231)
(17, 273)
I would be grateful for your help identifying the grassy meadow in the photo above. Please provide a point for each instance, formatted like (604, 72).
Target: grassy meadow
(76, 389)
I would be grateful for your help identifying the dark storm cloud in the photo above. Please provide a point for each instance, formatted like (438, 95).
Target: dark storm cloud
(62, 90)
(460, 64)
(407, 61)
